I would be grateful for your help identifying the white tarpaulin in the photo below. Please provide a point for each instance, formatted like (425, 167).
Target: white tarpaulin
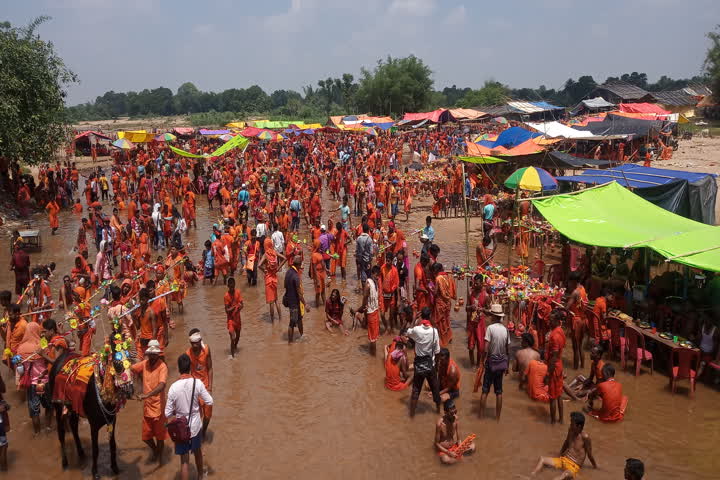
(558, 130)
(597, 102)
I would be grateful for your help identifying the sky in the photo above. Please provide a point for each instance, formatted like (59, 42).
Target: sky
(125, 45)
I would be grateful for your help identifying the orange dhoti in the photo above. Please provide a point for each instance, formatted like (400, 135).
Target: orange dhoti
(441, 315)
(373, 325)
(271, 282)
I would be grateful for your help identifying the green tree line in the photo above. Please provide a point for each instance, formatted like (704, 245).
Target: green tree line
(393, 87)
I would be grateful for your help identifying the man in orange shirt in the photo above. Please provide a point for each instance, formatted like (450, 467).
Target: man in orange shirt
(318, 273)
(154, 375)
(535, 378)
(341, 242)
(52, 209)
(553, 356)
(444, 295)
(613, 400)
(422, 296)
(145, 322)
(390, 281)
(233, 305)
(202, 369)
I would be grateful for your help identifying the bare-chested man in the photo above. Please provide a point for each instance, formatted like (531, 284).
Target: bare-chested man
(447, 436)
(524, 356)
(577, 446)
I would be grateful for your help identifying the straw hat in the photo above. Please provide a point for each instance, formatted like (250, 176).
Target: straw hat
(496, 309)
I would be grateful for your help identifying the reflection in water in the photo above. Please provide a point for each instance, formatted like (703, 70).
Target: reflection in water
(318, 407)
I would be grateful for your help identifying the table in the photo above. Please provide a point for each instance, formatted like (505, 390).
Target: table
(648, 333)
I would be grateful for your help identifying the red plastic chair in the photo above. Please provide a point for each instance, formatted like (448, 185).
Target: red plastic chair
(687, 365)
(636, 348)
(617, 342)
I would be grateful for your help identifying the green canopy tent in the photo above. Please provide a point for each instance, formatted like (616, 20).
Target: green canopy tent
(612, 216)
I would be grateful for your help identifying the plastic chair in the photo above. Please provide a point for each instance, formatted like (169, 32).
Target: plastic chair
(636, 348)
(687, 366)
(617, 342)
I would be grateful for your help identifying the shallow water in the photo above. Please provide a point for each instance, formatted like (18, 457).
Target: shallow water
(318, 408)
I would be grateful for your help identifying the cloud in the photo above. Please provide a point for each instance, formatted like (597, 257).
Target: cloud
(418, 8)
(456, 16)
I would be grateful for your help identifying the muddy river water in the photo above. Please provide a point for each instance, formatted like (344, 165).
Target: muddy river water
(318, 408)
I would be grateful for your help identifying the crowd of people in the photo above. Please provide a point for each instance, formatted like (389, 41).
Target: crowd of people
(271, 218)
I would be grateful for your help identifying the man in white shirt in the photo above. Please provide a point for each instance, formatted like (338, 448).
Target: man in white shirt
(427, 345)
(183, 394)
(278, 240)
(497, 355)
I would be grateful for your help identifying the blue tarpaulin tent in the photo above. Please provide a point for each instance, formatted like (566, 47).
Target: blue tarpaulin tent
(690, 194)
(512, 137)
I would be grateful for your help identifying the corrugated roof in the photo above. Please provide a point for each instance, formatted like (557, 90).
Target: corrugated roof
(496, 110)
(624, 90)
(697, 90)
(675, 98)
(525, 107)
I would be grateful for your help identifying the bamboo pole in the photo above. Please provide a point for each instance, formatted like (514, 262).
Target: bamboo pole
(694, 252)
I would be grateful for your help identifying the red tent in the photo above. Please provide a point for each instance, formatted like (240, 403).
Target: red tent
(436, 116)
(642, 108)
(90, 132)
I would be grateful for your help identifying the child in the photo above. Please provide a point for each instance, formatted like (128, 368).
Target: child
(208, 262)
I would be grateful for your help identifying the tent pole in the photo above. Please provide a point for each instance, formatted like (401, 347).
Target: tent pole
(467, 219)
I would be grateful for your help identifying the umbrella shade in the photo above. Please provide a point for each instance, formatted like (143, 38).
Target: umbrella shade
(165, 137)
(272, 136)
(500, 120)
(531, 178)
(370, 131)
(226, 137)
(123, 143)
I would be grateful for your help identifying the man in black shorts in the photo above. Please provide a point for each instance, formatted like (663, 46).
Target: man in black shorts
(293, 298)
(496, 359)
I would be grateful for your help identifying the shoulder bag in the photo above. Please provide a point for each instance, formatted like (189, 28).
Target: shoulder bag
(179, 427)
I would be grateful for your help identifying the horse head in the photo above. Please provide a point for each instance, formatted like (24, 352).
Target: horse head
(118, 354)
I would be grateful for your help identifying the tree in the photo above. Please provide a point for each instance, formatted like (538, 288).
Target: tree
(187, 99)
(395, 85)
(492, 93)
(454, 94)
(33, 82)
(712, 61)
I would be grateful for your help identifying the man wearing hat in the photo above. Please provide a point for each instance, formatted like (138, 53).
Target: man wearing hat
(154, 375)
(495, 358)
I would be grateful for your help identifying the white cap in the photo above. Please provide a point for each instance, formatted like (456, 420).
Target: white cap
(153, 347)
(195, 337)
(323, 227)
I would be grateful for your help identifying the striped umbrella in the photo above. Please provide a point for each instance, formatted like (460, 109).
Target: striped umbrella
(272, 136)
(123, 143)
(226, 137)
(531, 178)
(165, 137)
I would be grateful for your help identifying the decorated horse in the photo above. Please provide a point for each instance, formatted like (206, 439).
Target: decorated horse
(95, 387)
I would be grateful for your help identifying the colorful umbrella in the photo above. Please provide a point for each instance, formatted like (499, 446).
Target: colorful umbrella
(500, 120)
(531, 178)
(272, 136)
(123, 143)
(369, 131)
(226, 137)
(165, 137)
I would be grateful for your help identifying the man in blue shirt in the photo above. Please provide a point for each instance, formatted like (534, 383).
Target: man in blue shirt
(429, 231)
